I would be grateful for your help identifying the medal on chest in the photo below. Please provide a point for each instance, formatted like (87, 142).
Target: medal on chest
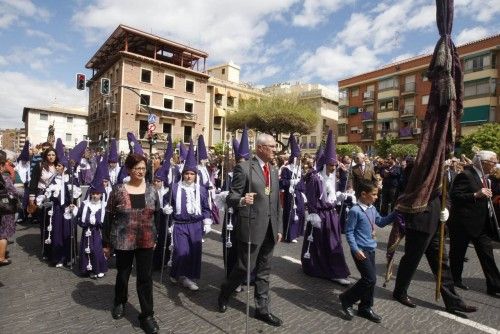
(267, 191)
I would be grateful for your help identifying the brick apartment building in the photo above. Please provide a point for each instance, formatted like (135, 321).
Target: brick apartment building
(393, 100)
(12, 139)
(163, 77)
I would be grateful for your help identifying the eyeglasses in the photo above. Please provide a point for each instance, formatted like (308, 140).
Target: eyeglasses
(139, 169)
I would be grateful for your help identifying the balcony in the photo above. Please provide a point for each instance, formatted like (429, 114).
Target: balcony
(406, 133)
(408, 111)
(408, 88)
(343, 101)
(368, 97)
(367, 116)
(367, 134)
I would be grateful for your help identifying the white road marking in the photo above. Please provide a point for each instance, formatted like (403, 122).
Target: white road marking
(468, 322)
(291, 259)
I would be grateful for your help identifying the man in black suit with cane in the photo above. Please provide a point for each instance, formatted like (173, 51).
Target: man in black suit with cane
(255, 192)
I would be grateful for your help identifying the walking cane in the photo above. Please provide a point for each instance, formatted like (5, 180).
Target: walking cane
(490, 204)
(349, 172)
(167, 222)
(444, 182)
(73, 230)
(294, 205)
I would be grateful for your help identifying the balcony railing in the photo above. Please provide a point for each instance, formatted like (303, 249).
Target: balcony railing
(367, 134)
(408, 111)
(369, 95)
(408, 87)
(406, 132)
(367, 116)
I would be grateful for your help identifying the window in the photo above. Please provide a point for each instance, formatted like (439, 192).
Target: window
(188, 131)
(189, 86)
(146, 75)
(143, 128)
(425, 99)
(169, 81)
(343, 113)
(354, 92)
(303, 142)
(478, 63)
(68, 137)
(69, 119)
(145, 99)
(388, 105)
(230, 101)
(168, 103)
(167, 128)
(480, 87)
(218, 99)
(342, 129)
(44, 117)
(218, 120)
(390, 83)
(188, 106)
(424, 76)
(312, 143)
(223, 71)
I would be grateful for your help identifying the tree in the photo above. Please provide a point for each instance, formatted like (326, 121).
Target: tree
(274, 115)
(403, 150)
(487, 137)
(348, 149)
(383, 145)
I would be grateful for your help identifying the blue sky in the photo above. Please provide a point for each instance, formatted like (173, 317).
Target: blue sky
(44, 43)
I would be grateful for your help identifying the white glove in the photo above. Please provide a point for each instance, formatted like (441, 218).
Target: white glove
(293, 182)
(315, 220)
(207, 225)
(67, 213)
(77, 191)
(167, 209)
(444, 215)
(341, 196)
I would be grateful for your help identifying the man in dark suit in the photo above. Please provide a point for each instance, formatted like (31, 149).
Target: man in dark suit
(470, 220)
(362, 171)
(255, 192)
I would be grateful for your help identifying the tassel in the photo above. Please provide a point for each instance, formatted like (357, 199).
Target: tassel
(307, 255)
(89, 267)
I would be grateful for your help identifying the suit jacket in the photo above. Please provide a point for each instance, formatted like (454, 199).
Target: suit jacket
(426, 221)
(255, 219)
(466, 211)
(368, 175)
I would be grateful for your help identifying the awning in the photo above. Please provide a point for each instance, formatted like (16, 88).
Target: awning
(352, 110)
(383, 120)
(480, 114)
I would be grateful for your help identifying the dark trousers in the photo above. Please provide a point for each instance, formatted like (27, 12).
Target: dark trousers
(260, 261)
(144, 264)
(459, 240)
(416, 245)
(364, 288)
(388, 199)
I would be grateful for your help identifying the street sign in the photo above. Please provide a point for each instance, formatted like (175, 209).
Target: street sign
(151, 127)
(152, 118)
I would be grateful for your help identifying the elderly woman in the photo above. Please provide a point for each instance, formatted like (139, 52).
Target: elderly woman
(7, 222)
(129, 228)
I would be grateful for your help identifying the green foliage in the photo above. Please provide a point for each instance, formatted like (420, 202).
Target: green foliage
(219, 148)
(383, 145)
(403, 150)
(274, 115)
(348, 149)
(487, 137)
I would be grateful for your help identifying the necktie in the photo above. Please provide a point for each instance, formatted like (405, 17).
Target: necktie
(266, 174)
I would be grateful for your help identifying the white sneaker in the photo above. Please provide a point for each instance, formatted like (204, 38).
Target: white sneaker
(342, 281)
(93, 276)
(238, 289)
(189, 284)
(172, 279)
(294, 241)
(59, 265)
(100, 275)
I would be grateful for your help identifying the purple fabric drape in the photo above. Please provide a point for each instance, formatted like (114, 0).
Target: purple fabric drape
(443, 113)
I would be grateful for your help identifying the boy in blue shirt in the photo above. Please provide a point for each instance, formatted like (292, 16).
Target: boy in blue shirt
(360, 235)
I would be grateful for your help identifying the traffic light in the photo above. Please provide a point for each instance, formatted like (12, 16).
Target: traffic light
(155, 138)
(105, 86)
(80, 81)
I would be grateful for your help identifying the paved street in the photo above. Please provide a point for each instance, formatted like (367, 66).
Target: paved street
(36, 298)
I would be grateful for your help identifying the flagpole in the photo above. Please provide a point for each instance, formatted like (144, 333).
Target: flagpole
(444, 194)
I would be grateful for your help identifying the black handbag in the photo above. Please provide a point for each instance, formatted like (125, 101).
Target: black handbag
(8, 202)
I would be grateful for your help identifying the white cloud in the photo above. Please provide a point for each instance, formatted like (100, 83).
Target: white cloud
(481, 11)
(401, 57)
(224, 28)
(37, 58)
(471, 34)
(256, 74)
(3, 61)
(48, 40)
(422, 17)
(14, 11)
(18, 90)
(315, 12)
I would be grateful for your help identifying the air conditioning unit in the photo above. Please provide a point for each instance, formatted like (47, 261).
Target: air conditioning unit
(417, 131)
(361, 109)
(360, 130)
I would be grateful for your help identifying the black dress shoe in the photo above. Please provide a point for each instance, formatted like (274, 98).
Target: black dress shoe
(463, 308)
(370, 315)
(461, 285)
(405, 300)
(149, 325)
(222, 303)
(347, 309)
(118, 311)
(269, 319)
